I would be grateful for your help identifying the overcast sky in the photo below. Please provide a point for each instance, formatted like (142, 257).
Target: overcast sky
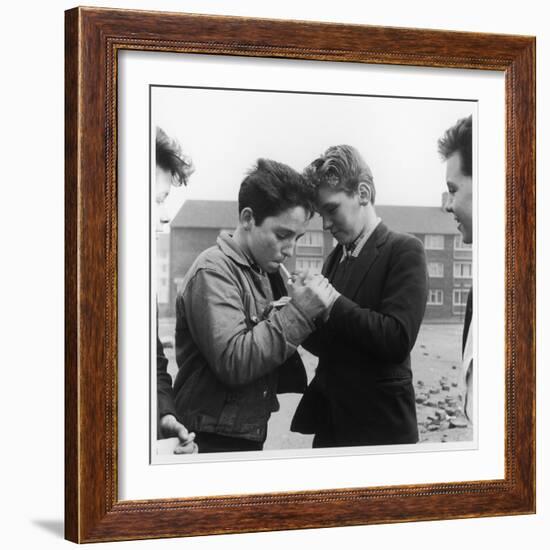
(225, 131)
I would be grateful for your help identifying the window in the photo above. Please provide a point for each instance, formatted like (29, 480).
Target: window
(459, 244)
(434, 242)
(314, 238)
(311, 244)
(460, 296)
(462, 270)
(435, 297)
(314, 265)
(435, 269)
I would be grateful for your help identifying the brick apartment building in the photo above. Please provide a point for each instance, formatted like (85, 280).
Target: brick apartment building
(197, 224)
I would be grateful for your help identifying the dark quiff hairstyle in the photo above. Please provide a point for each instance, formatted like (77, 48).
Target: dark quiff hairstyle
(342, 168)
(458, 138)
(170, 157)
(270, 188)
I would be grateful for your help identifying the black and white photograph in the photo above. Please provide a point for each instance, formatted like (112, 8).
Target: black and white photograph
(270, 300)
(312, 273)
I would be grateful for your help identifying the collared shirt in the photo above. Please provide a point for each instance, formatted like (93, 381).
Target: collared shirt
(355, 248)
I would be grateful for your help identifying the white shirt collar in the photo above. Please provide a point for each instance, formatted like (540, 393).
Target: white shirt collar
(361, 242)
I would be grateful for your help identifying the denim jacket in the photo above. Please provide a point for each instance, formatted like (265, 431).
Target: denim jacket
(230, 344)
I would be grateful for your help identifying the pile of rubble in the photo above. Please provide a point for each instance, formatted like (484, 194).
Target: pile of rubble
(439, 408)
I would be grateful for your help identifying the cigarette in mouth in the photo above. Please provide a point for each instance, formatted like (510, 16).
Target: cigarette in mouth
(287, 274)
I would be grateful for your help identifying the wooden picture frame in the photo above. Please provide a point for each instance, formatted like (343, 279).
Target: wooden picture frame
(93, 511)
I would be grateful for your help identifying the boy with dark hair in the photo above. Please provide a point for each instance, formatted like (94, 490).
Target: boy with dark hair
(169, 158)
(455, 147)
(236, 339)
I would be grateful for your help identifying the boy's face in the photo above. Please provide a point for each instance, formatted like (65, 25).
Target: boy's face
(459, 201)
(342, 213)
(163, 182)
(273, 241)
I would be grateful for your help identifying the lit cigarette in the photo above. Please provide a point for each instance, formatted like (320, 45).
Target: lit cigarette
(287, 274)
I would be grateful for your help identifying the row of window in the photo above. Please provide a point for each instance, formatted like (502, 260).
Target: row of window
(460, 297)
(311, 244)
(461, 270)
(437, 242)
(313, 265)
(431, 242)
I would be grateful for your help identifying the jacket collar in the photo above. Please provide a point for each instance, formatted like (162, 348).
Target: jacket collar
(231, 249)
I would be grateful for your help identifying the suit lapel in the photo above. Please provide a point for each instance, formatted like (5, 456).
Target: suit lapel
(363, 263)
(332, 262)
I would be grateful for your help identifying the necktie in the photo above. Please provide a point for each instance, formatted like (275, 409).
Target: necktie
(342, 272)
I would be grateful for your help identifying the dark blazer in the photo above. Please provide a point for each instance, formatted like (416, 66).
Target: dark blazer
(362, 390)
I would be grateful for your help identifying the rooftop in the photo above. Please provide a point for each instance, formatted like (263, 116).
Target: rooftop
(204, 214)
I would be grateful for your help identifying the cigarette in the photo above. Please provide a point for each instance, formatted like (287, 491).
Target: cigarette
(287, 274)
